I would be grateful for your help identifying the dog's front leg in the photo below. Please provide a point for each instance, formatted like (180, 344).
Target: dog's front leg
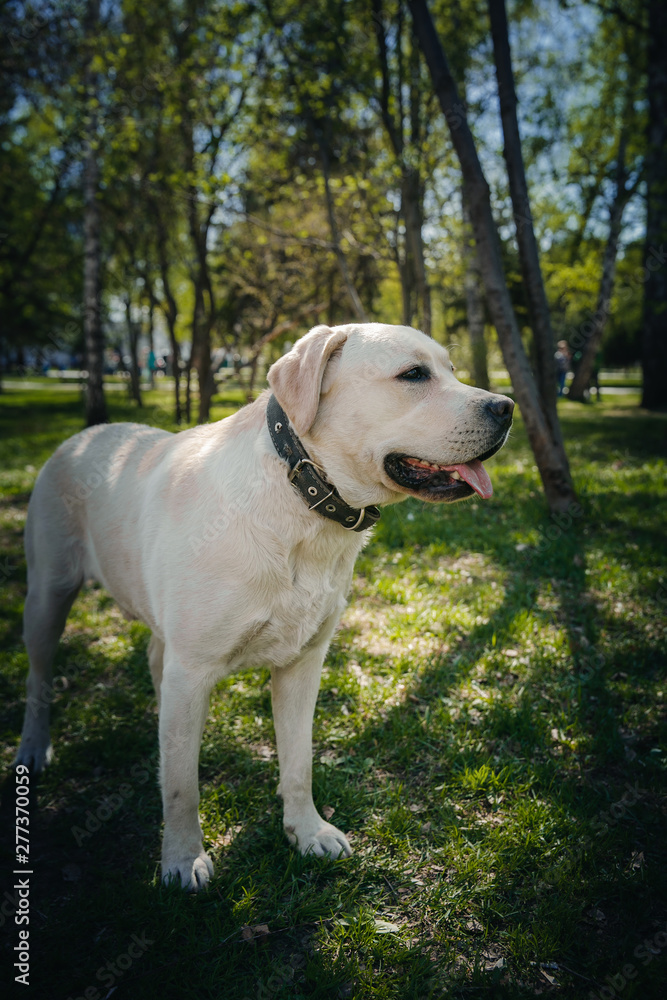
(294, 692)
(183, 710)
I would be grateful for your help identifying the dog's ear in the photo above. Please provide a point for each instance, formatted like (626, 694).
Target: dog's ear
(296, 378)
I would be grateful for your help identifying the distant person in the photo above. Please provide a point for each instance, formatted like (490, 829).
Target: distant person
(563, 358)
(152, 365)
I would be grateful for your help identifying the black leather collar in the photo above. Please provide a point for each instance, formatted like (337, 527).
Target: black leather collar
(304, 474)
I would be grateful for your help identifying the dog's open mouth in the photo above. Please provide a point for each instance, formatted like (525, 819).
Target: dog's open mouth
(441, 483)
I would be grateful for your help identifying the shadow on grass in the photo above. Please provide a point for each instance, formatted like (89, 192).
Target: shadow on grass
(119, 858)
(595, 848)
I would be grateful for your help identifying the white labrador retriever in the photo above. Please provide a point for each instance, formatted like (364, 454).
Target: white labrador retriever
(235, 543)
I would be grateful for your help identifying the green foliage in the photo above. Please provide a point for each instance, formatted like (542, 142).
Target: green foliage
(583, 96)
(216, 122)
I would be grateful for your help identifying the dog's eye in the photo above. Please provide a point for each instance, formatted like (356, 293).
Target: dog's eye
(416, 374)
(452, 367)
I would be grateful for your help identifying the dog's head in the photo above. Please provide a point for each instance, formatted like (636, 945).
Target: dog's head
(380, 408)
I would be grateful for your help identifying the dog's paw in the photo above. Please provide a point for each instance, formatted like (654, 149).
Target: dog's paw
(191, 873)
(34, 753)
(319, 838)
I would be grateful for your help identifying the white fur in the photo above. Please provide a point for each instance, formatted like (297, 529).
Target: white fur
(201, 536)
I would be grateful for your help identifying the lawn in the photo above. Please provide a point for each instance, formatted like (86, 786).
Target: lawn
(490, 729)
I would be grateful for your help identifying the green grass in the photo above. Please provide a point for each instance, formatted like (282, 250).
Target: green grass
(496, 689)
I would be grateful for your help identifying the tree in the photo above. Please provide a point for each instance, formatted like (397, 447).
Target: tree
(278, 264)
(467, 23)
(96, 407)
(472, 283)
(40, 183)
(257, 161)
(192, 66)
(315, 65)
(538, 309)
(41, 244)
(406, 128)
(168, 302)
(654, 358)
(593, 337)
(145, 203)
(211, 77)
(605, 147)
(324, 130)
(547, 448)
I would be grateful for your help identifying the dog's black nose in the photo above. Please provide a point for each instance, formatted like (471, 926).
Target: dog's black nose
(501, 408)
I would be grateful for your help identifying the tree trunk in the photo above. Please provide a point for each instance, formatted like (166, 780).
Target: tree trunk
(411, 199)
(393, 125)
(405, 275)
(206, 383)
(201, 352)
(152, 371)
(413, 193)
(96, 407)
(472, 281)
(176, 368)
(170, 309)
(654, 360)
(200, 357)
(151, 321)
(203, 313)
(135, 371)
(549, 451)
(188, 388)
(412, 268)
(538, 308)
(592, 339)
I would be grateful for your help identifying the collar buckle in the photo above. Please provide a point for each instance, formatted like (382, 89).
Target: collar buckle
(299, 466)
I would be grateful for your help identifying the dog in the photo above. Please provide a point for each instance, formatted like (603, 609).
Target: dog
(235, 543)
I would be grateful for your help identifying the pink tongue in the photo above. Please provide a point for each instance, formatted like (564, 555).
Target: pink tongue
(475, 475)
